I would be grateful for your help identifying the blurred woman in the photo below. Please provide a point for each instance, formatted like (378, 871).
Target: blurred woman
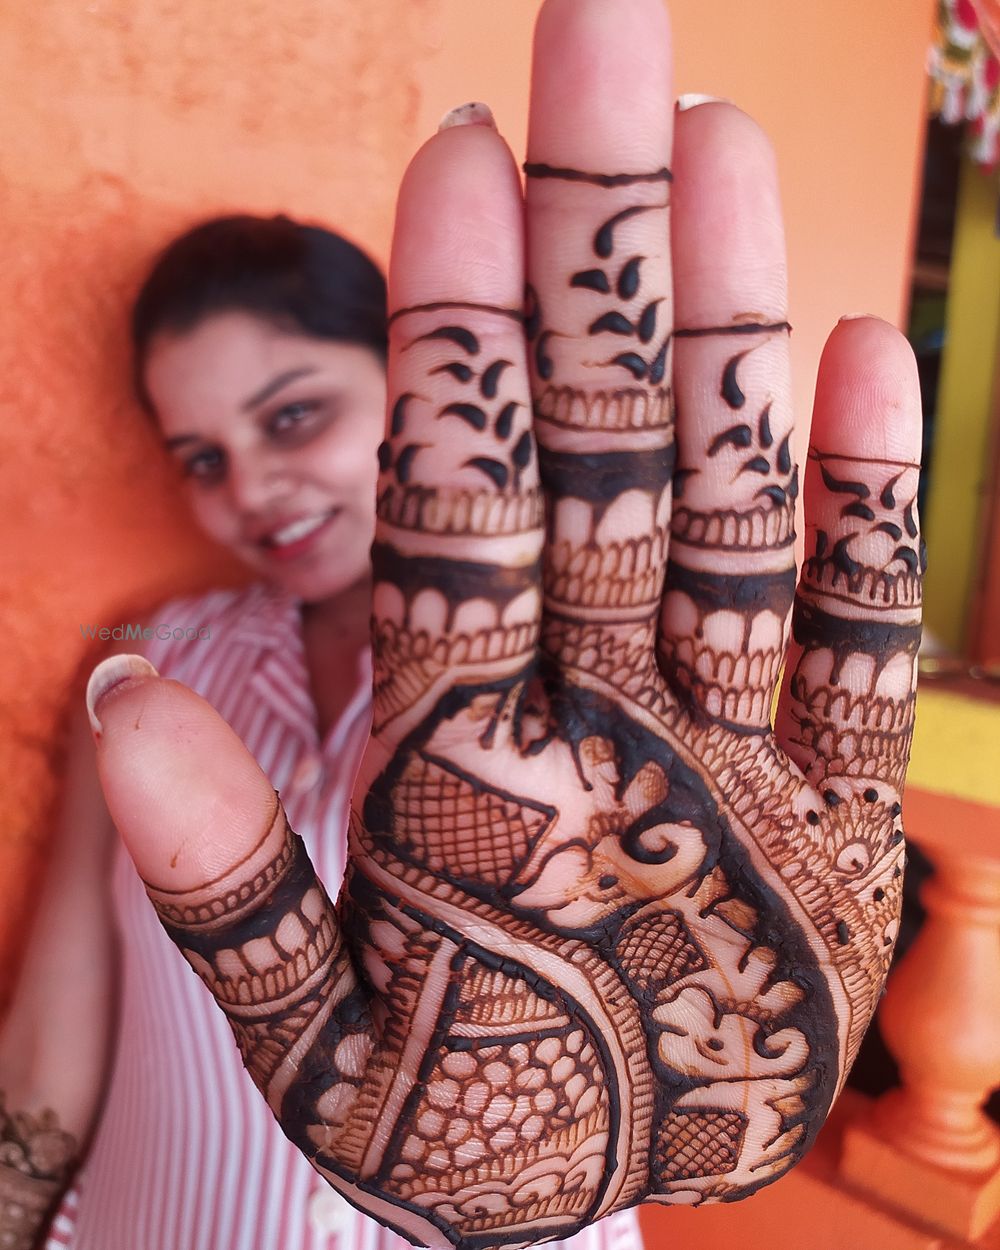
(260, 349)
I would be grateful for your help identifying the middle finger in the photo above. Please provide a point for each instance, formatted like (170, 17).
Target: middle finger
(599, 322)
(732, 564)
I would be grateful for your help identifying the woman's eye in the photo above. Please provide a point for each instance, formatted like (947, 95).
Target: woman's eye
(290, 417)
(205, 466)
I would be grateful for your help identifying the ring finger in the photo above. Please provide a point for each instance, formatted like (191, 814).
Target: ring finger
(732, 568)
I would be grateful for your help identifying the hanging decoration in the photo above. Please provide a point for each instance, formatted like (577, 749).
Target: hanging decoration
(989, 21)
(964, 66)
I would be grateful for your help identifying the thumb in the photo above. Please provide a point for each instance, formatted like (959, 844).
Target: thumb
(189, 799)
(231, 883)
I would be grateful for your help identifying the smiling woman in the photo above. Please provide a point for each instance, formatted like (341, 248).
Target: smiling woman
(260, 355)
(606, 935)
(260, 351)
(275, 435)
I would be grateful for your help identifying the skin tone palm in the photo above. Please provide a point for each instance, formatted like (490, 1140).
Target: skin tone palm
(605, 936)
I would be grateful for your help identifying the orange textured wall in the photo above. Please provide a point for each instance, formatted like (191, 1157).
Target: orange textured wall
(124, 120)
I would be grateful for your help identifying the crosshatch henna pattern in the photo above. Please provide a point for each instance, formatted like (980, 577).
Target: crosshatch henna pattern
(601, 941)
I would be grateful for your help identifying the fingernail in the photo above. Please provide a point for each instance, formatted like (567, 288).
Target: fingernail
(473, 114)
(860, 317)
(691, 99)
(110, 673)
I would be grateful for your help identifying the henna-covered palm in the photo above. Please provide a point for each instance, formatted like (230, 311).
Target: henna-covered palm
(604, 937)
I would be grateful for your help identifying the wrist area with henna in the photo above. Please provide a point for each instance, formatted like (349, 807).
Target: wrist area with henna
(36, 1160)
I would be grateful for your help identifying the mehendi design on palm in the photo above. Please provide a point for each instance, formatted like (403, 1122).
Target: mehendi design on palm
(601, 941)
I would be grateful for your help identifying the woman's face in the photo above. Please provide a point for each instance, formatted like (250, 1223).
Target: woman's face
(276, 435)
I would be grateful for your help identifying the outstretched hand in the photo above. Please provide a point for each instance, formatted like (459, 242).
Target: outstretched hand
(605, 936)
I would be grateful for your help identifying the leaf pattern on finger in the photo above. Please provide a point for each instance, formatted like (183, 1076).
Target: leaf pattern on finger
(732, 576)
(603, 406)
(610, 327)
(458, 472)
(857, 620)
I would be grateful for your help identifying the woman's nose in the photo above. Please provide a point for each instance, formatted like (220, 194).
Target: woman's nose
(256, 483)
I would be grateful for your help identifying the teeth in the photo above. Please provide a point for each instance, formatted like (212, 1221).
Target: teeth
(298, 529)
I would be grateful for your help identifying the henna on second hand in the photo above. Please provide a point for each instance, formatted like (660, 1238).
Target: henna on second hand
(36, 1160)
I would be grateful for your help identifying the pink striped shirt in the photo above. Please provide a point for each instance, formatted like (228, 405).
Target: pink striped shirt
(187, 1155)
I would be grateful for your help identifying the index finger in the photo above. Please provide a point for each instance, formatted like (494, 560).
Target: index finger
(458, 532)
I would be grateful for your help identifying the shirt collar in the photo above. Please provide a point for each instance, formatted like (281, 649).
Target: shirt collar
(271, 623)
(269, 618)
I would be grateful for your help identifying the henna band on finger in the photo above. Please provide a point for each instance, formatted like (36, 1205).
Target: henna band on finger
(515, 314)
(537, 169)
(739, 327)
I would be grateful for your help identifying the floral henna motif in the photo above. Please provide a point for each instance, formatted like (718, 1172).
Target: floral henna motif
(544, 1016)
(36, 1156)
(850, 702)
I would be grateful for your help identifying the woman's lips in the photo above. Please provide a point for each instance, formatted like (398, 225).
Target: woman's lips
(297, 537)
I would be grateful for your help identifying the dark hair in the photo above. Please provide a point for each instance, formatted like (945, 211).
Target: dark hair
(300, 277)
